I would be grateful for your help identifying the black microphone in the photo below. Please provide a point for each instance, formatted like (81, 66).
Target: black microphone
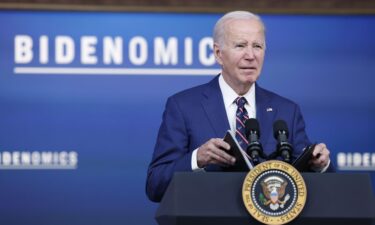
(281, 133)
(254, 148)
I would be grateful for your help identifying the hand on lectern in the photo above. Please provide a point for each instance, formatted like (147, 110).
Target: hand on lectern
(320, 157)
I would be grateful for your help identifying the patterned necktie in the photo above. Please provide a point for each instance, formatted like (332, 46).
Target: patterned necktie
(241, 117)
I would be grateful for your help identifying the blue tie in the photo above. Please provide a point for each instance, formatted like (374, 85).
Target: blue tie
(241, 117)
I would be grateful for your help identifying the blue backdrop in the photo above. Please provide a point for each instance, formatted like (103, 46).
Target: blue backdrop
(101, 128)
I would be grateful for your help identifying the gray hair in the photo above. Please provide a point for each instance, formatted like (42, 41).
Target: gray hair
(219, 29)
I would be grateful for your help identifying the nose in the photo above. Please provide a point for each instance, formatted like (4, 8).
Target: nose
(249, 53)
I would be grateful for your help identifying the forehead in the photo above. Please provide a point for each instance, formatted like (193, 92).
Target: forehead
(244, 28)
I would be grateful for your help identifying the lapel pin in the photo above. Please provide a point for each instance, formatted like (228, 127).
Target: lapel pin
(269, 109)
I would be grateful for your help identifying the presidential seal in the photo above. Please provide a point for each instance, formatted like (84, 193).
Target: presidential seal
(274, 192)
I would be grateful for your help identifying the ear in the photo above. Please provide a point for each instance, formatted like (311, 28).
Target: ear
(217, 52)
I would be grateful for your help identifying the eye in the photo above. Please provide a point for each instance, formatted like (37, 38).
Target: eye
(240, 45)
(258, 46)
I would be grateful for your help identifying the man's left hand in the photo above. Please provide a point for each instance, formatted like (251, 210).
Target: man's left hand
(320, 157)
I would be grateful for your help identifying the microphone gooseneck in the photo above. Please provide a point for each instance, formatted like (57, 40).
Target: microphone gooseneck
(254, 148)
(281, 134)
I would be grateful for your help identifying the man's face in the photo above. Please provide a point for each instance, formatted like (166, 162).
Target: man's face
(241, 55)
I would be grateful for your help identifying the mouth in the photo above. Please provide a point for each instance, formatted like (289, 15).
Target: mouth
(248, 68)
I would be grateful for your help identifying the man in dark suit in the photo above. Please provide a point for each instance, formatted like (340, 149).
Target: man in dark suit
(195, 120)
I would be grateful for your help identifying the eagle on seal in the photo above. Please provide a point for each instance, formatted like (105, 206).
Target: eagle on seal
(274, 190)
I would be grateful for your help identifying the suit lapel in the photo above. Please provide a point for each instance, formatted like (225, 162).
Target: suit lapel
(213, 105)
(266, 113)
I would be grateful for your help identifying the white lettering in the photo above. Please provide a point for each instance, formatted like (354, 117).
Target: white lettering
(46, 157)
(64, 52)
(25, 158)
(7, 158)
(357, 159)
(63, 158)
(165, 54)
(55, 157)
(349, 159)
(35, 158)
(341, 159)
(16, 158)
(43, 49)
(205, 58)
(188, 51)
(134, 44)
(88, 50)
(112, 50)
(42, 160)
(366, 159)
(23, 49)
(63, 48)
(73, 158)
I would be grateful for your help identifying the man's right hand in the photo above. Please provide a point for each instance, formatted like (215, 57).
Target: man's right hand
(214, 152)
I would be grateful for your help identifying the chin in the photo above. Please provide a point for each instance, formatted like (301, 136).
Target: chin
(250, 79)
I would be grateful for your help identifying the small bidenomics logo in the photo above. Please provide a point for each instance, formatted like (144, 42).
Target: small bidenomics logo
(364, 161)
(274, 192)
(38, 160)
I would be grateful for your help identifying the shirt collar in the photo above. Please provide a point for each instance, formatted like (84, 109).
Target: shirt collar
(229, 95)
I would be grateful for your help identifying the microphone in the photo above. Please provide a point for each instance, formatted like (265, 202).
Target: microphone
(281, 133)
(254, 148)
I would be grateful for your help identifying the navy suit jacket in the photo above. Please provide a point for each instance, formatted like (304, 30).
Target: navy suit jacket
(194, 116)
